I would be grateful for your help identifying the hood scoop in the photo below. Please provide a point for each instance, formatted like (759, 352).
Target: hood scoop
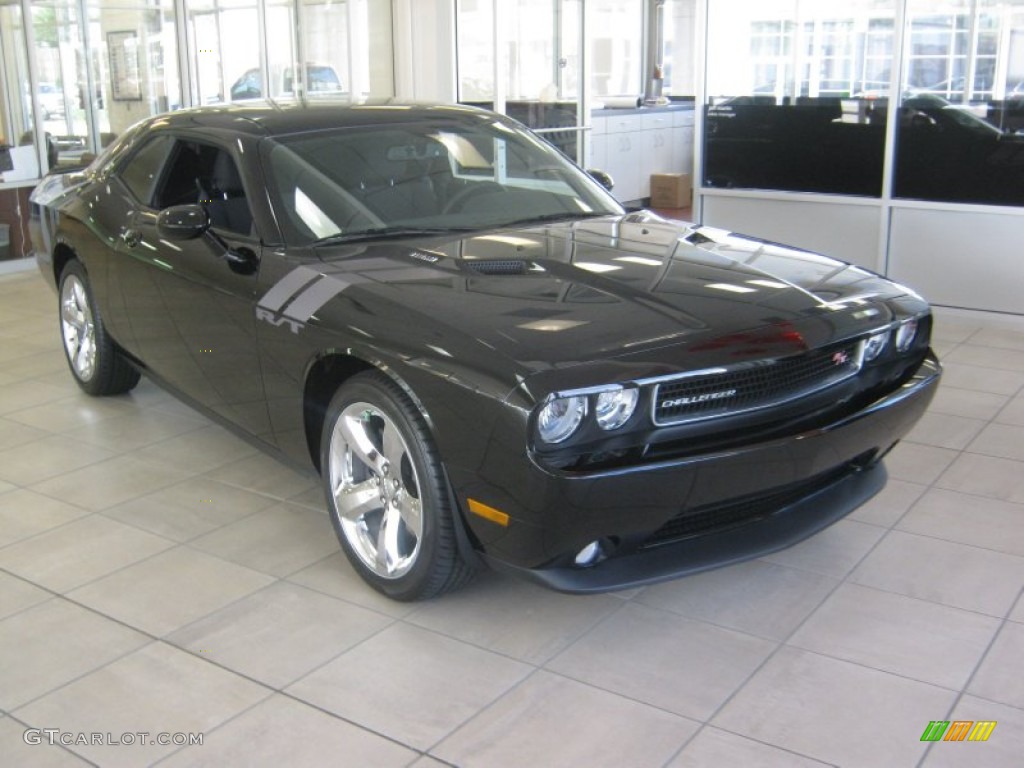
(498, 266)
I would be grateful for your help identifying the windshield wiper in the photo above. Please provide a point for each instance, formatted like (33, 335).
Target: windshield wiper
(560, 216)
(384, 232)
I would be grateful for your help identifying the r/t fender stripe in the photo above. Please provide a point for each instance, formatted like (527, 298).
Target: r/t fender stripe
(314, 297)
(300, 293)
(283, 289)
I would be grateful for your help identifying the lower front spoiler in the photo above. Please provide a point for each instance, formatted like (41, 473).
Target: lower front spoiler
(782, 529)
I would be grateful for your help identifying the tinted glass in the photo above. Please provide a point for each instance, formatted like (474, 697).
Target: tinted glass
(142, 171)
(798, 95)
(447, 174)
(960, 136)
(168, 171)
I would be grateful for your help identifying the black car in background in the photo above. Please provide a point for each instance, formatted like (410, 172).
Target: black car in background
(484, 357)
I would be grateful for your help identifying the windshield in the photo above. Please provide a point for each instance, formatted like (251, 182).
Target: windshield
(433, 176)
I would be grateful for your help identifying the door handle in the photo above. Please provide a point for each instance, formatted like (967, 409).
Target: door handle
(130, 237)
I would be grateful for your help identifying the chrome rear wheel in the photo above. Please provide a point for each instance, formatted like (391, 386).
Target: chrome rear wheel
(95, 360)
(78, 328)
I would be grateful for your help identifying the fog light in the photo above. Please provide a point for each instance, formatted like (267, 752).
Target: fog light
(590, 554)
(906, 334)
(875, 344)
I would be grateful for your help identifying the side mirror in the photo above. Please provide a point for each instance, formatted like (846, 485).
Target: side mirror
(923, 121)
(602, 178)
(182, 222)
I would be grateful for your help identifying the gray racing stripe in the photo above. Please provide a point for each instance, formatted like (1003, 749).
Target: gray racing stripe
(286, 286)
(314, 297)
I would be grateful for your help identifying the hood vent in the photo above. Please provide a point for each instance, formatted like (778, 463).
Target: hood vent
(498, 266)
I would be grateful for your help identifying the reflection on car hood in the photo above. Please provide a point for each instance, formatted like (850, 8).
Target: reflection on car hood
(619, 287)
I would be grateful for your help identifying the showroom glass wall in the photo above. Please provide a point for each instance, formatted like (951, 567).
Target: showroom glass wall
(98, 66)
(562, 58)
(313, 48)
(799, 95)
(538, 78)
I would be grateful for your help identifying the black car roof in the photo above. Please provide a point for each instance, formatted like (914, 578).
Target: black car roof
(271, 118)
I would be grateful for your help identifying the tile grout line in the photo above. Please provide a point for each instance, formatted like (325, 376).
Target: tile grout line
(970, 678)
(784, 642)
(162, 640)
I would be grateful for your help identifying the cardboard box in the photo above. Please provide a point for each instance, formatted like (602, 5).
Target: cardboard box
(671, 190)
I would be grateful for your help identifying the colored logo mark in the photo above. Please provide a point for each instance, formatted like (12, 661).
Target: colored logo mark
(958, 730)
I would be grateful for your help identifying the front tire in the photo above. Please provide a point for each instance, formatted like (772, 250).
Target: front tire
(95, 362)
(386, 491)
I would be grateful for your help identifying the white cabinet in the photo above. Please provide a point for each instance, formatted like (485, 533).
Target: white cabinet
(682, 141)
(597, 145)
(622, 148)
(658, 133)
(630, 147)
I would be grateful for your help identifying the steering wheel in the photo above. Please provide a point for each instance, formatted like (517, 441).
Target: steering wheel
(477, 187)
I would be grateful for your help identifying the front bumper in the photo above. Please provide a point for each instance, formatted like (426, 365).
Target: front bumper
(664, 520)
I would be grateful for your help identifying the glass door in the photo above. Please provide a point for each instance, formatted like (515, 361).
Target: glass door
(18, 157)
(62, 89)
(536, 78)
(224, 47)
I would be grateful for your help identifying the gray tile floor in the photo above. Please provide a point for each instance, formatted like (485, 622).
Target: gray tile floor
(158, 575)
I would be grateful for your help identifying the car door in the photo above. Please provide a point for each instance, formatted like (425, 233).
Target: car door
(190, 302)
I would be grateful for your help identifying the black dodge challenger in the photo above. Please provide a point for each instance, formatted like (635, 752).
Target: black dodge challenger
(481, 353)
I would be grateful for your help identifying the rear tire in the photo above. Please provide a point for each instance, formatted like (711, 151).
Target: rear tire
(387, 494)
(97, 365)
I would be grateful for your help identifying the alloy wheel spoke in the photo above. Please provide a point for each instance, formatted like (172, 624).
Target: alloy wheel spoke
(356, 500)
(83, 355)
(411, 511)
(387, 540)
(393, 448)
(71, 314)
(354, 432)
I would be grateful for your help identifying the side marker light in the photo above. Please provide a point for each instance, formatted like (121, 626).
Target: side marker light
(488, 513)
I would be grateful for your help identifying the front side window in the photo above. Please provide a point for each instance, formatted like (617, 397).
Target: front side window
(195, 173)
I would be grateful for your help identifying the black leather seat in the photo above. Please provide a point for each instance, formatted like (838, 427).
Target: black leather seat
(225, 197)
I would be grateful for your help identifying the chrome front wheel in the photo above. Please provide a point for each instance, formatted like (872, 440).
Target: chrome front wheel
(376, 490)
(387, 492)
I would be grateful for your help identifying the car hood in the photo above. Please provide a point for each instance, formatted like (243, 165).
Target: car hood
(631, 289)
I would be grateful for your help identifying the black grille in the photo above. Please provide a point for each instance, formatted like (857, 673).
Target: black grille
(754, 385)
(742, 511)
(499, 267)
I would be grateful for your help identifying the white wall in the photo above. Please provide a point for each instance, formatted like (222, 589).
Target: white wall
(961, 258)
(957, 256)
(844, 230)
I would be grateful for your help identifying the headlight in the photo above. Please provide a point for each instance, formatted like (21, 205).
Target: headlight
(875, 344)
(906, 334)
(560, 417)
(615, 407)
